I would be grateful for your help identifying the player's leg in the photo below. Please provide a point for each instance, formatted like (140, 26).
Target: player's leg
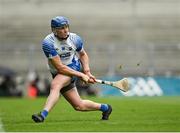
(57, 83)
(79, 104)
(74, 99)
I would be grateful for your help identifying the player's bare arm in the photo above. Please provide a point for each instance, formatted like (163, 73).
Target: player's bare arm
(85, 64)
(63, 69)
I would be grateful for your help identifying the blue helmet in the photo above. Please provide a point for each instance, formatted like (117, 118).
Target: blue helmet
(59, 21)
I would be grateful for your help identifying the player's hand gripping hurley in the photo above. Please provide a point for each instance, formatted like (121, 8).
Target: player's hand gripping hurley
(122, 84)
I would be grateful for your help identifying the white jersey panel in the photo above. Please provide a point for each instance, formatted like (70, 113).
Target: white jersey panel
(66, 50)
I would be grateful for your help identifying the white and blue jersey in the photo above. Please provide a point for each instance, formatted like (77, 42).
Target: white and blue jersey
(66, 49)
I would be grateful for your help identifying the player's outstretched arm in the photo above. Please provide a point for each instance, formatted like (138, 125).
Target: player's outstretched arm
(63, 69)
(85, 64)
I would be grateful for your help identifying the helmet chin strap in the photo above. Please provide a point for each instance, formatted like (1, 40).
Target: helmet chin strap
(61, 38)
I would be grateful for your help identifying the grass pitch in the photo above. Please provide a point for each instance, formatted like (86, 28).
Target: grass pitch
(129, 114)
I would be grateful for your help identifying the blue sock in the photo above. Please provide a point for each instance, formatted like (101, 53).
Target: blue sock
(44, 113)
(104, 107)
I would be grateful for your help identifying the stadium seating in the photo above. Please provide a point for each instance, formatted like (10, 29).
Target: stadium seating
(115, 32)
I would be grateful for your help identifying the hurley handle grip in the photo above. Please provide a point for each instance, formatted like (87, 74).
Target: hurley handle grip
(104, 82)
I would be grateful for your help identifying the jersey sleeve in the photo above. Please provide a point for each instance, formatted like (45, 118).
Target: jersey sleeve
(49, 49)
(78, 43)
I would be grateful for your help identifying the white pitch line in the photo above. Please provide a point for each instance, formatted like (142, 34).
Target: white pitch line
(1, 126)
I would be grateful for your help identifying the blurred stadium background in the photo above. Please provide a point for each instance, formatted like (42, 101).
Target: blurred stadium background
(133, 38)
(138, 39)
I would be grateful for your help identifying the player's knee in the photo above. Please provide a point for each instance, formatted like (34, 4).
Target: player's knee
(55, 86)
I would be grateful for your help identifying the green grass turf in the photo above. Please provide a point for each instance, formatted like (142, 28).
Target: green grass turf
(129, 114)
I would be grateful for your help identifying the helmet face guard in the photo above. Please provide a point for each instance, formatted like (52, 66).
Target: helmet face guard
(59, 22)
